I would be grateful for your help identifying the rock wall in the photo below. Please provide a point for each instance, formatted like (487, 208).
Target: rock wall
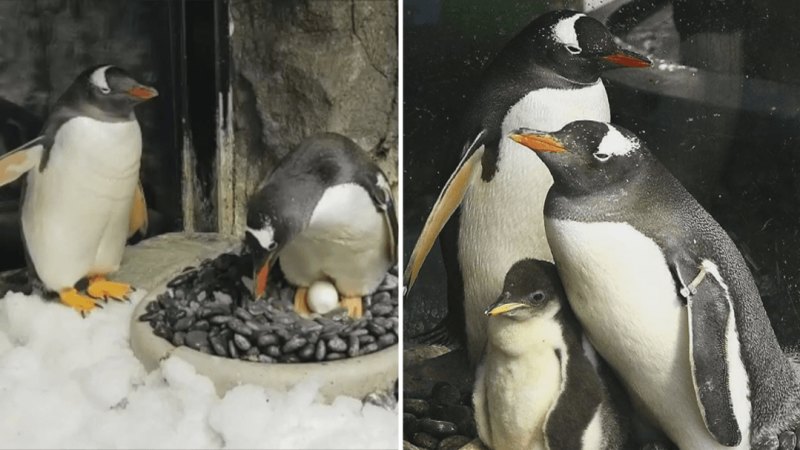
(302, 67)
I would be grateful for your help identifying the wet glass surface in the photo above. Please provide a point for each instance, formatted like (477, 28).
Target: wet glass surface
(720, 108)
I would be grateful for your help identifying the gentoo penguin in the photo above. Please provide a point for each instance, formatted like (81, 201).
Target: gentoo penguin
(82, 197)
(663, 293)
(546, 77)
(535, 387)
(327, 213)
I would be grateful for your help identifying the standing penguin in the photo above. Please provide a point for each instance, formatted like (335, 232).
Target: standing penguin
(327, 213)
(663, 293)
(535, 387)
(546, 77)
(82, 198)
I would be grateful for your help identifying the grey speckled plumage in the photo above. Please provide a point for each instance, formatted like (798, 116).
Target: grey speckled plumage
(594, 186)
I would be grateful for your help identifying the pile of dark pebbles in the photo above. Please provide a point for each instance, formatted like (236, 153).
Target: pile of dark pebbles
(210, 308)
(444, 420)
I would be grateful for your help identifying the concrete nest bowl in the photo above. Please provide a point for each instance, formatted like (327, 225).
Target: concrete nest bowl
(356, 376)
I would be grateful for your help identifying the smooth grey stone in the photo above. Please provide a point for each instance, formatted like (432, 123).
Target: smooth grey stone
(293, 344)
(353, 346)
(183, 324)
(265, 340)
(438, 428)
(241, 342)
(195, 339)
(337, 344)
(319, 354)
(387, 340)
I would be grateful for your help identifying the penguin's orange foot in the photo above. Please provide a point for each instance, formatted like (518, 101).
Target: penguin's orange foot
(99, 287)
(354, 306)
(78, 302)
(301, 302)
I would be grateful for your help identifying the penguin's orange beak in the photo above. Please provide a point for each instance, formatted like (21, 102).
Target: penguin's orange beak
(262, 276)
(262, 263)
(625, 58)
(543, 143)
(142, 92)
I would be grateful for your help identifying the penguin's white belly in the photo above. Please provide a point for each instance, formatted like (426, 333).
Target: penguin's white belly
(346, 241)
(621, 289)
(502, 221)
(75, 213)
(519, 393)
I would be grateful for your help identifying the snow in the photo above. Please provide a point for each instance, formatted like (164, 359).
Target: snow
(68, 382)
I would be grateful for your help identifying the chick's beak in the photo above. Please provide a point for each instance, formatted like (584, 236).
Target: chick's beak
(498, 308)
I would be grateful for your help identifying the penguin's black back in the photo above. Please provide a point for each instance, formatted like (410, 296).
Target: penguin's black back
(321, 161)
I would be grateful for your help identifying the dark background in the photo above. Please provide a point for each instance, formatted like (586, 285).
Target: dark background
(720, 108)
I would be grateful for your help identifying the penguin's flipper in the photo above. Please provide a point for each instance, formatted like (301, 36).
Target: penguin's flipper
(17, 162)
(381, 195)
(566, 425)
(139, 219)
(449, 199)
(710, 320)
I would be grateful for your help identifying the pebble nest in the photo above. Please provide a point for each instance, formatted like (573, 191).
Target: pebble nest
(442, 420)
(210, 308)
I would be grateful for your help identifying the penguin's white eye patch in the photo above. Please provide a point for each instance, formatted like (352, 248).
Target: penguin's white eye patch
(602, 157)
(99, 80)
(573, 49)
(265, 236)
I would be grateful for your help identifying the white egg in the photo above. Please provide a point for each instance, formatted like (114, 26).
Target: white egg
(322, 297)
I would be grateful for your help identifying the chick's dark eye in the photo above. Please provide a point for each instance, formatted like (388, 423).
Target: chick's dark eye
(538, 296)
(574, 49)
(272, 246)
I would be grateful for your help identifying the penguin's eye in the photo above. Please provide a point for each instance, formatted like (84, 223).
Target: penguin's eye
(104, 90)
(574, 49)
(272, 246)
(602, 157)
(538, 296)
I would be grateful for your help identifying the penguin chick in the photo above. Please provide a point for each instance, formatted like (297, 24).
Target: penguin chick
(536, 387)
(663, 293)
(82, 197)
(327, 212)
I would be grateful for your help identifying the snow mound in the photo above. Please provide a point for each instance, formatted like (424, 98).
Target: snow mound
(68, 382)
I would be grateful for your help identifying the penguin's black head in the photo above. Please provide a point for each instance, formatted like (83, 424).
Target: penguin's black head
(531, 289)
(267, 233)
(586, 156)
(573, 45)
(108, 92)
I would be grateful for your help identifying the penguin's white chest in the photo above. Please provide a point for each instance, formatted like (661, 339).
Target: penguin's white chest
(620, 287)
(502, 220)
(346, 241)
(519, 383)
(75, 213)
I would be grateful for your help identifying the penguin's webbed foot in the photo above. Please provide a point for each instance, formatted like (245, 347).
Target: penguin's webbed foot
(101, 288)
(78, 302)
(354, 306)
(301, 302)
